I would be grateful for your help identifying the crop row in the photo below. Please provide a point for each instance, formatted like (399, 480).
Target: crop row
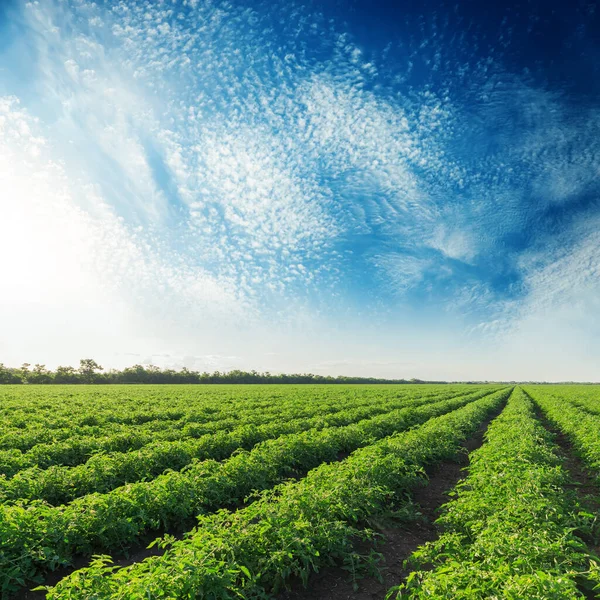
(290, 531)
(61, 406)
(581, 427)
(585, 398)
(509, 532)
(103, 472)
(43, 537)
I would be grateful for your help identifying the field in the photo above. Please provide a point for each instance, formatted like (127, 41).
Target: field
(299, 492)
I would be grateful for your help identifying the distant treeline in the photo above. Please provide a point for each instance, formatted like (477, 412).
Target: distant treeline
(90, 371)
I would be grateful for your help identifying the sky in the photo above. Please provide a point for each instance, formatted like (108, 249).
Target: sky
(389, 189)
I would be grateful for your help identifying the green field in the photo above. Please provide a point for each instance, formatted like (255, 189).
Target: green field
(253, 488)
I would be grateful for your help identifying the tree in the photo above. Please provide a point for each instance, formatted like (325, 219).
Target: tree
(66, 375)
(88, 368)
(8, 375)
(40, 375)
(25, 372)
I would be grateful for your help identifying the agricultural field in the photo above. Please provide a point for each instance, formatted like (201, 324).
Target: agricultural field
(299, 492)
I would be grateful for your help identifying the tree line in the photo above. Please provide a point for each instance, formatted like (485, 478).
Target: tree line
(90, 372)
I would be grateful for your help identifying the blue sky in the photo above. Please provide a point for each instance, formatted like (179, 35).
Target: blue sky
(399, 189)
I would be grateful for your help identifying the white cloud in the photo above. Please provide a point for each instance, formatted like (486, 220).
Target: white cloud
(454, 243)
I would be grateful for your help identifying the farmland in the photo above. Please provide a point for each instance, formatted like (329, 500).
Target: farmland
(299, 491)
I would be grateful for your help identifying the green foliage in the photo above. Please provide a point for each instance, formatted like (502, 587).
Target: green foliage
(103, 472)
(9, 376)
(292, 529)
(88, 469)
(66, 426)
(87, 369)
(66, 375)
(510, 530)
(41, 536)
